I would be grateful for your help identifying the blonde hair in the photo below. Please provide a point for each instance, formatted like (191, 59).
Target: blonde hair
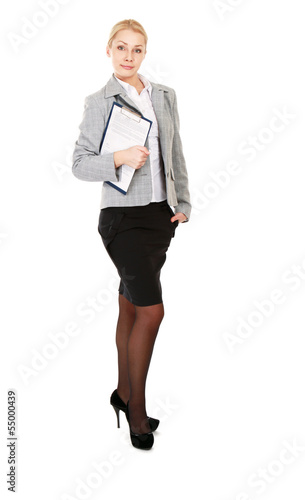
(127, 24)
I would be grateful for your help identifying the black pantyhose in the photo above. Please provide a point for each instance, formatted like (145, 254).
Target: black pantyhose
(136, 332)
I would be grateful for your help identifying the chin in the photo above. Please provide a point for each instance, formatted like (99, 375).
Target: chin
(126, 72)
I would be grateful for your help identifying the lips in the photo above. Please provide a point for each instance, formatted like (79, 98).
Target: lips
(127, 67)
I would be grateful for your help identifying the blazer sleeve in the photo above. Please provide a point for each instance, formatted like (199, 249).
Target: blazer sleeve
(179, 167)
(88, 164)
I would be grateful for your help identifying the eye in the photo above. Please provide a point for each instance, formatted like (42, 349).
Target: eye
(138, 51)
(120, 47)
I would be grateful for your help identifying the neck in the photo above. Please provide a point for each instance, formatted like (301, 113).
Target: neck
(133, 80)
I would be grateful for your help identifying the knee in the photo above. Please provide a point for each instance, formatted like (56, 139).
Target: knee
(151, 315)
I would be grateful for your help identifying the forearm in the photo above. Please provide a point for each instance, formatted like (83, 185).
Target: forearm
(93, 168)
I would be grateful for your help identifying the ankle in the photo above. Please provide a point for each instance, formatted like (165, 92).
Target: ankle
(123, 394)
(137, 405)
(138, 417)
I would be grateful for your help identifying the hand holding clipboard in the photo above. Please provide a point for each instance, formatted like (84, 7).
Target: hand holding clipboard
(124, 129)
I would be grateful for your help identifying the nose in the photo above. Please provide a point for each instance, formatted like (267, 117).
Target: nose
(128, 56)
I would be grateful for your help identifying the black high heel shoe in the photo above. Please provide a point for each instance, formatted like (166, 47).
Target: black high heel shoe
(118, 405)
(140, 441)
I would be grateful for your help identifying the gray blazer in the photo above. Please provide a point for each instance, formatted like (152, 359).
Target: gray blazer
(89, 165)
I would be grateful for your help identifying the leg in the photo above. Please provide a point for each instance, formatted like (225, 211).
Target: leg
(140, 348)
(126, 319)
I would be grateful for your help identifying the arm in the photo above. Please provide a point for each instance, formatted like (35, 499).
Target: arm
(88, 164)
(181, 177)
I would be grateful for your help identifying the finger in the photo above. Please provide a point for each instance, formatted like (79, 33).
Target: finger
(143, 149)
(181, 216)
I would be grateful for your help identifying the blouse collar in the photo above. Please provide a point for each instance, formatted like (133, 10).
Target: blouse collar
(130, 88)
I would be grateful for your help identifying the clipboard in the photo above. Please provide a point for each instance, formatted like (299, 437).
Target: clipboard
(124, 129)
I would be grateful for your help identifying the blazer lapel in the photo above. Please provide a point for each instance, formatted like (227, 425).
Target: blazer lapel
(114, 89)
(157, 97)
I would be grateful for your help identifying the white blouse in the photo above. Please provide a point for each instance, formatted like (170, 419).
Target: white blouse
(144, 103)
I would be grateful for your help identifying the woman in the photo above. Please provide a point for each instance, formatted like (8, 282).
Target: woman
(136, 228)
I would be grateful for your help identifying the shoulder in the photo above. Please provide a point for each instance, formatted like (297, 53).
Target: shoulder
(169, 92)
(97, 97)
(165, 88)
(99, 103)
(101, 96)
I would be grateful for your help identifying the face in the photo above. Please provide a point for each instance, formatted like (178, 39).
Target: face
(127, 53)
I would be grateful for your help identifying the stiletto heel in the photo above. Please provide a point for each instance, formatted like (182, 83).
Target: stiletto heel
(140, 441)
(117, 411)
(118, 405)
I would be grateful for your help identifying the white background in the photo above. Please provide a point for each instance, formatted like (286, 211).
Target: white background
(227, 409)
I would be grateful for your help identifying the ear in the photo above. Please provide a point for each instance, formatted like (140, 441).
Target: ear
(108, 51)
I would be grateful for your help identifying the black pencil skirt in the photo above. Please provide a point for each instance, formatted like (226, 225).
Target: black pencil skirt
(136, 239)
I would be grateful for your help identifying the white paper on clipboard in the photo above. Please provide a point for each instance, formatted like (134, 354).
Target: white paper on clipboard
(124, 130)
